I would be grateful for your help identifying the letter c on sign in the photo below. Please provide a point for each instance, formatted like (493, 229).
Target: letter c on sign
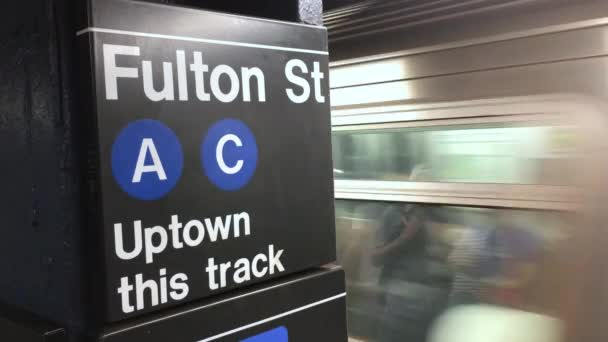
(229, 154)
(219, 154)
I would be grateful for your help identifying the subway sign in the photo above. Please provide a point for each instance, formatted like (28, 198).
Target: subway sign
(209, 144)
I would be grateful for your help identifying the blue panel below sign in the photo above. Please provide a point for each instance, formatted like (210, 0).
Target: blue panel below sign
(275, 335)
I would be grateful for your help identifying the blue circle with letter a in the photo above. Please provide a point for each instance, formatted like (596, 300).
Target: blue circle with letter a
(229, 154)
(147, 159)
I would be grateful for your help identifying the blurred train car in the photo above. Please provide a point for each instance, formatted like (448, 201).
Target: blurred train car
(470, 144)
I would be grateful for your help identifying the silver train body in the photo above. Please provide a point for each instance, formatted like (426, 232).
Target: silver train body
(470, 144)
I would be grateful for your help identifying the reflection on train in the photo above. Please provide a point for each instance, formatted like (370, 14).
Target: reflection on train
(469, 163)
(409, 264)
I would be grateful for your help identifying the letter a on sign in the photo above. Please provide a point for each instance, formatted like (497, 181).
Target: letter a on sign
(147, 147)
(136, 159)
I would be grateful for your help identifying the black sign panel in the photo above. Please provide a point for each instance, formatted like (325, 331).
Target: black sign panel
(300, 309)
(210, 151)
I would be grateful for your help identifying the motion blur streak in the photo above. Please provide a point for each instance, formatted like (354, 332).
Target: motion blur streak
(469, 146)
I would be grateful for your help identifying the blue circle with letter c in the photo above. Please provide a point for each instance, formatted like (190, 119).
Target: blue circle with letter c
(147, 159)
(229, 154)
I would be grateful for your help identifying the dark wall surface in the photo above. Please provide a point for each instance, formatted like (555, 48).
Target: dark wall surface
(39, 202)
(304, 11)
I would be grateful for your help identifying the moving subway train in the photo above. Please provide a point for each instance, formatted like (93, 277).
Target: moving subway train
(469, 144)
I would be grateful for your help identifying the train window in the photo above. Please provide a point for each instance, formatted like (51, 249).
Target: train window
(413, 269)
(510, 153)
